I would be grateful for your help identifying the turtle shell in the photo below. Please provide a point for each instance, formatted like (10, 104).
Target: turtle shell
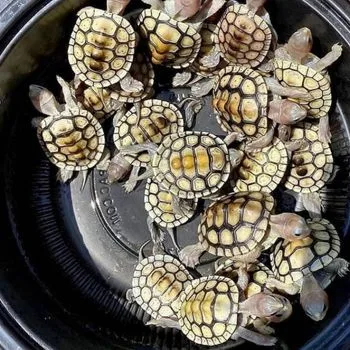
(97, 102)
(141, 70)
(312, 165)
(102, 46)
(73, 140)
(236, 224)
(158, 204)
(292, 74)
(207, 47)
(291, 261)
(158, 283)
(209, 310)
(263, 170)
(242, 37)
(172, 43)
(192, 164)
(240, 98)
(158, 120)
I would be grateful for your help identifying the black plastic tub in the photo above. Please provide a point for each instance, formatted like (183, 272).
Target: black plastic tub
(66, 256)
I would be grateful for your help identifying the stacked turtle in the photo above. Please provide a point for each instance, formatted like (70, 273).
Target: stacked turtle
(266, 98)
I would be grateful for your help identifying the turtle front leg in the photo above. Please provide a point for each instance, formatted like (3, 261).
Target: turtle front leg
(104, 162)
(261, 326)
(131, 183)
(129, 296)
(243, 277)
(172, 235)
(157, 236)
(190, 255)
(149, 147)
(291, 289)
(338, 266)
(164, 323)
(328, 59)
(278, 89)
(181, 79)
(131, 85)
(254, 337)
(324, 131)
(212, 60)
(251, 257)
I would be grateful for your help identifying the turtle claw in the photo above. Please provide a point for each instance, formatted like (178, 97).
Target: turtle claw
(129, 186)
(190, 255)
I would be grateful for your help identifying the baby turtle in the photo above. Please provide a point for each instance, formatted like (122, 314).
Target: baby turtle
(263, 170)
(191, 164)
(240, 226)
(257, 275)
(72, 139)
(157, 120)
(166, 210)
(311, 168)
(102, 46)
(291, 74)
(157, 285)
(293, 264)
(174, 43)
(212, 311)
(242, 36)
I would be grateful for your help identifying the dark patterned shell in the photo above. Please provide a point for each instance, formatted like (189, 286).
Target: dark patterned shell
(262, 170)
(101, 48)
(141, 70)
(158, 120)
(158, 204)
(192, 164)
(172, 43)
(312, 165)
(236, 224)
(209, 310)
(241, 99)
(207, 47)
(97, 101)
(158, 283)
(74, 140)
(291, 261)
(243, 38)
(296, 75)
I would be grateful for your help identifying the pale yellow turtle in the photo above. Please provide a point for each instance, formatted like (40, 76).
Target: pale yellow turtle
(240, 226)
(293, 264)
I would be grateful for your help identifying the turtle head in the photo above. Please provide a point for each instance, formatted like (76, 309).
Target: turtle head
(313, 299)
(300, 43)
(187, 8)
(117, 6)
(273, 307)
(255, 4)
(236, 157)
(290, 226)
(43, 100)
(117, 169)
(286, 112)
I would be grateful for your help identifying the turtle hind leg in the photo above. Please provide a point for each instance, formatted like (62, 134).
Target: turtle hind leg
(129, 296)
(190, 255)
(64, 175)
(338, 266)
(261, 142)
(324, 132)
(164, 323)
(254, 337)
(157, 236)
(131, 183)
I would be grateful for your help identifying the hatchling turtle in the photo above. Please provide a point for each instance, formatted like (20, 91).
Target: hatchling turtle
(212, 311)
(293, 264)
(191, 164)
(242, 103)
(240, 226)
(174, 43)
(243, 37)
(263, 170)
(292, 74)
(101, 49)
(256, 278)
(311, 168)
(157, 285)
(156, 120)
(166, 210)
(71, 137)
